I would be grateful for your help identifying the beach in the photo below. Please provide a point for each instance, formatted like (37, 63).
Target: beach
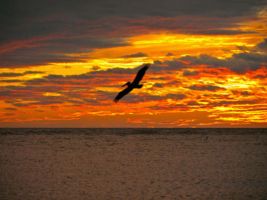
(64, 164)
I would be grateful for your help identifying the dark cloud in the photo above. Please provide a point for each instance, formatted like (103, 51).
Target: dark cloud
(251, 59)
(11, 81)
(221, 32)
(203, 59)
(205, 87)
(33, 72)
(169, 65)
(81, 9)
(245, 93)
(10, 74)
(13, 74)
(39, 32)
(197, 25)
(135, 55)
(54, 50)
(175, 96)
(190, 73)
(262, 45)
(263, 76)
(240, 63)
(193, 103)
(235, 102)
(169, 54)
(10, 108)
(158, 85)
(5, 76)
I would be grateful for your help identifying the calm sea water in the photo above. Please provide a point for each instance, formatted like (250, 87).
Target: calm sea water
(133, 164)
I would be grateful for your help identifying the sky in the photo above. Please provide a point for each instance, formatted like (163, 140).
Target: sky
(63, 62)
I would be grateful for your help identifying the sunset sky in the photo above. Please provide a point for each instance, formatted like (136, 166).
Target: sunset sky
(63, 62)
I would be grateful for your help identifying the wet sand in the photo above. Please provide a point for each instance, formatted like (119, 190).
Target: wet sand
(133, 164)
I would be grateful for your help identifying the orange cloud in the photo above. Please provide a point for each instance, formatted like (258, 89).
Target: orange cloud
(197, 79)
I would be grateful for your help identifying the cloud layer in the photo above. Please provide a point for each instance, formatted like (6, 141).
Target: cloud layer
(43, 32)
(63, 62)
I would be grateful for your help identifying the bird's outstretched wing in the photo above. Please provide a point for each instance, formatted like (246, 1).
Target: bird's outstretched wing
(122, 94)
(140, 74)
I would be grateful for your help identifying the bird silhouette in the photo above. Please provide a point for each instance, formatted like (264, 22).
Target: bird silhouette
(135, 84)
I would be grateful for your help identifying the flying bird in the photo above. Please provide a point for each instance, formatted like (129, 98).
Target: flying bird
(132, 85)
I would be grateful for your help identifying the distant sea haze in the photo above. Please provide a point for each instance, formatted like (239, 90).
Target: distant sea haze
(66, 164)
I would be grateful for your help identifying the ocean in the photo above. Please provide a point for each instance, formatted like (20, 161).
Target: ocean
(68, 164)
